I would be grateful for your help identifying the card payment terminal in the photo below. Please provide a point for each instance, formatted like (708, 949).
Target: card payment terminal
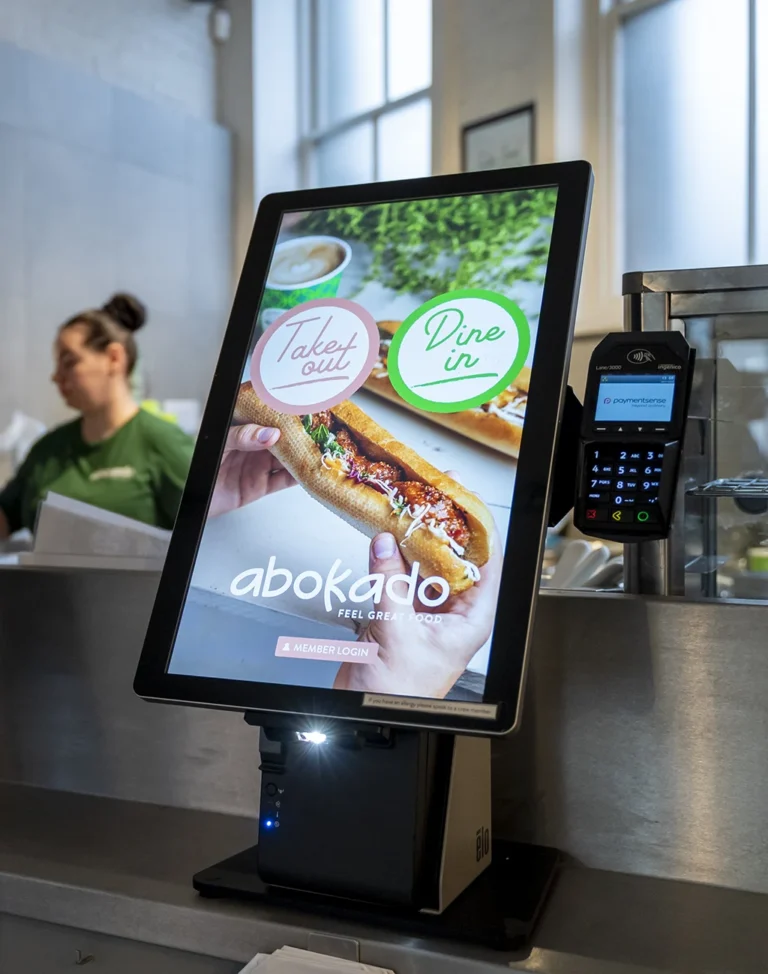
(635, 410)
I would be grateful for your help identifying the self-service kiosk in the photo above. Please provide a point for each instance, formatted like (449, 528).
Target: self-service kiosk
(356, 559)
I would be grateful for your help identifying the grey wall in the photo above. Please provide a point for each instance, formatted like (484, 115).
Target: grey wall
(161, 49)
(103, 189)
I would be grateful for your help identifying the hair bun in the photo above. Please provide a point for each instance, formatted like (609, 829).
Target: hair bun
(126, 310)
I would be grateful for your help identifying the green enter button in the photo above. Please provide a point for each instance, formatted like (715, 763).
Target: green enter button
(643, 517)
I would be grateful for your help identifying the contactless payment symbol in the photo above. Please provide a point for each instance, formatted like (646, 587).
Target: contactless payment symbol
(459, 350)
(314, 356)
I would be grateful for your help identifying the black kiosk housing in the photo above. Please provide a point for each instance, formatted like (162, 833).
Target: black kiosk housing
(376, 804)
(371, 846)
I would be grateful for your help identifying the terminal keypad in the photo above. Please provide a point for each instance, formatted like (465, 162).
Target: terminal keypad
(621, 483)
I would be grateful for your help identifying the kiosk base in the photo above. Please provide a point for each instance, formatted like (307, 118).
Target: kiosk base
(499, 910)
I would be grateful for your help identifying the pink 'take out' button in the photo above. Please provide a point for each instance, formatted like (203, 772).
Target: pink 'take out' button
(314, 356)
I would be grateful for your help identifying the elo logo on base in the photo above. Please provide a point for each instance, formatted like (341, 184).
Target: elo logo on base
(459, 350)
(314, 356)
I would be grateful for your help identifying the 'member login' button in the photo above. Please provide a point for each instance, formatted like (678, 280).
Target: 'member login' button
(327, 650)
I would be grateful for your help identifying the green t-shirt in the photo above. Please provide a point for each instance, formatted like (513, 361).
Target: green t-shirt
(139, 472)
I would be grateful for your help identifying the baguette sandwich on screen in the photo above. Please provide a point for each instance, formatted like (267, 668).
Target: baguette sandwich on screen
(497, 424)
(358, 470)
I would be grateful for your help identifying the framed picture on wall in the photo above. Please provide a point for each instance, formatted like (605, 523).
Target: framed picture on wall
(499, 141)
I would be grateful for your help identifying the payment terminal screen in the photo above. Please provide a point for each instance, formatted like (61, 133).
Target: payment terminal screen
(635, 398)
(357, 527)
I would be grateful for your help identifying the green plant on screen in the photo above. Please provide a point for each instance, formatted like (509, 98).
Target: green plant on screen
(441, 245)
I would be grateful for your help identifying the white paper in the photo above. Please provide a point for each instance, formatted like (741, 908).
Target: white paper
(327, 963)
(253, 964)
(291, 960)
(71, 527)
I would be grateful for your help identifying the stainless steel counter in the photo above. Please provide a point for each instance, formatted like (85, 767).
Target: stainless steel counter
(642, 748)
(123, 869)
(642, 751)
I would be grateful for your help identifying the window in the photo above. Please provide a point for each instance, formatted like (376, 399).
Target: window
(693, 102)
(367, 90)
(759, 58)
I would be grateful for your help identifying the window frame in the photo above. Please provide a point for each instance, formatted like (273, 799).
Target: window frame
(312, 135)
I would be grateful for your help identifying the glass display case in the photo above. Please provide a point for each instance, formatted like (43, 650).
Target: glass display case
(718, 547)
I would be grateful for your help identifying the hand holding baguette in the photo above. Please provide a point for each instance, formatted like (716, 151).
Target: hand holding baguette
(248, 471)
(358, 470)
(421, 658)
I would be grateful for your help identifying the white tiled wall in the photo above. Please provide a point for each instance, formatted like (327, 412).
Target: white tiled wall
(160, 49)
(104, 189)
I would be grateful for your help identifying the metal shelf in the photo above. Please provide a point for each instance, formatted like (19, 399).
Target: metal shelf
(733, 487)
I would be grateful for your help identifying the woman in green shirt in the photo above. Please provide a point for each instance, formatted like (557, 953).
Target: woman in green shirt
(115, 455)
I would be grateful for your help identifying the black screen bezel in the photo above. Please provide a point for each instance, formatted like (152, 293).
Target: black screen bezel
(520, 576)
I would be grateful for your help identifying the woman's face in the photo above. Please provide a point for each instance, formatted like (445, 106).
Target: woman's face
(85, 377)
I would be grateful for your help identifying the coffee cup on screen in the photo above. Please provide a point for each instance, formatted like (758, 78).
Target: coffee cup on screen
(303, 269)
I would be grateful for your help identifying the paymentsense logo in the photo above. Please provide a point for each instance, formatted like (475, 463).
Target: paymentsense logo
(635, 401)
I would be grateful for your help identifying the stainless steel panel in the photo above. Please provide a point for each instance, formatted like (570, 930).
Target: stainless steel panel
(28, 946)
(654, 312)
(718, 302)
(642, 747)
(123, 868)
(69, 644)
(700, 279)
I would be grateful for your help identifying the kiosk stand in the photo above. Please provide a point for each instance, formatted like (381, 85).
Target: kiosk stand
(387, 826)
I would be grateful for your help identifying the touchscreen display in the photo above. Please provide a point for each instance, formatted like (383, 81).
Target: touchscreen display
(635, 398)
(357, 528)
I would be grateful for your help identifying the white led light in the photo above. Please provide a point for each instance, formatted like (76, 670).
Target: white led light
(312, 737)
